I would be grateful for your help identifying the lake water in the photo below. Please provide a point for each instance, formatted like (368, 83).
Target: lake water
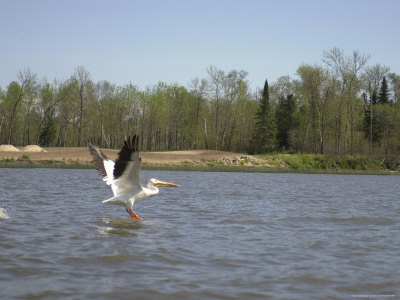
(218, 236)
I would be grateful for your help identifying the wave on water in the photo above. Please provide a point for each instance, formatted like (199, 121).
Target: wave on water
(3, 214)
(356, 220)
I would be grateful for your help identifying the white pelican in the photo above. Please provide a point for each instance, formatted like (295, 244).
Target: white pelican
(124, 176)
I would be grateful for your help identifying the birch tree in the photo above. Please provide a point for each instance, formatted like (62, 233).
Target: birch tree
(85, 86)
(15, 96)
(370, 84)
(349, 109)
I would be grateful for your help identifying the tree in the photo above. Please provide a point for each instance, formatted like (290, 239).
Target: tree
(370, 125)
(285, 120)
(338, 109)
(48, 132)
(383, 97)
(349, 107)
(198, 89)
(66, 111)
(85, 90)
(104, 91)
(395, 87)
(13, 98)
(216, 80)
(2, 109)
(370, 83)
(264, 137)
(15, 95)
(388, 120)
(49, 97)
(312, 79)
(233, 84)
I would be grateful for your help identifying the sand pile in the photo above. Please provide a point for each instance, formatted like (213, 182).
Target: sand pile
(33, 148)
(8, 148)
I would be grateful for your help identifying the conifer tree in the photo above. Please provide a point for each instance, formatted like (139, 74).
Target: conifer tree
(264, 137)
(48, 133)
(285, 120)
(383, 97)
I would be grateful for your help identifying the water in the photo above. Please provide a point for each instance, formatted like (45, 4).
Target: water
(218, 236)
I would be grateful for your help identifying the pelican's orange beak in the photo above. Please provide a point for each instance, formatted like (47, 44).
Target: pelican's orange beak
(160, 183)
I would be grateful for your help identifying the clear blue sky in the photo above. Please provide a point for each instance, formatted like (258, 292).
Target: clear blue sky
(147, 41)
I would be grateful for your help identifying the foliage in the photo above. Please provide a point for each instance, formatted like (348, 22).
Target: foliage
(264, 137)
(383, 97)
(285, 120)
(329, 162)
(342, 107)
(48, 133)
(25, 157)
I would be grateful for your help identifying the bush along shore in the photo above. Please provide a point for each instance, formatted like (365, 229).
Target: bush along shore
(275, 162)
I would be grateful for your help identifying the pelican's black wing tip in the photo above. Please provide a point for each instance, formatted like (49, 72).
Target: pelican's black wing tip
(125, 155)
(98, 159)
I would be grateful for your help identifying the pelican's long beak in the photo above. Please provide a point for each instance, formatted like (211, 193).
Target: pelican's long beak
(160, 183)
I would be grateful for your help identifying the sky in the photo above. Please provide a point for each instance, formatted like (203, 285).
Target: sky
(174, 41)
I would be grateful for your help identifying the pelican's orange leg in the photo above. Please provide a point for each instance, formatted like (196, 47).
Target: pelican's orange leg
(133, 215)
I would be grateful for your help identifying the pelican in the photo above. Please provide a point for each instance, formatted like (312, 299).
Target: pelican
(124, 176)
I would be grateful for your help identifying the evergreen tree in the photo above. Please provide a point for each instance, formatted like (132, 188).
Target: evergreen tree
(48, 133)
(264, 137)
(285, 120)
(383, 97)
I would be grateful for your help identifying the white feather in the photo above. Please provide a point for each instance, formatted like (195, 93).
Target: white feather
(109, 166)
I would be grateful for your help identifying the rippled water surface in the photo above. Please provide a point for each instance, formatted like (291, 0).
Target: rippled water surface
(218, 236)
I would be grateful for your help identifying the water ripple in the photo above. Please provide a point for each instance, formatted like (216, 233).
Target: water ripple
(236, 236)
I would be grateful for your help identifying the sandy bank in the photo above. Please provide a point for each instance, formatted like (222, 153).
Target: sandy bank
(167, 158)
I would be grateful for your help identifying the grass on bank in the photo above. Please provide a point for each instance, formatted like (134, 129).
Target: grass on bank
(277, 163)
(328, 162)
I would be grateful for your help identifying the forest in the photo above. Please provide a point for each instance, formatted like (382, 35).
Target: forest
(341, 106)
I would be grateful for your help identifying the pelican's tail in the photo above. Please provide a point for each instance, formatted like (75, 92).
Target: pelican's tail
(114, 201)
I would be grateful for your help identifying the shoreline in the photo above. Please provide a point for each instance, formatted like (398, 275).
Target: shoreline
(202, 161)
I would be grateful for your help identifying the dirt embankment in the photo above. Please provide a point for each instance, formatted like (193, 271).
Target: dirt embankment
(167, 158)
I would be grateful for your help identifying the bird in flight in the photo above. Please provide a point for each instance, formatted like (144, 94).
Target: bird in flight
(124, 176)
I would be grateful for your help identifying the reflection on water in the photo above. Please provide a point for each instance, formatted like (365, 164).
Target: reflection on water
(238, 236)
(120, 227)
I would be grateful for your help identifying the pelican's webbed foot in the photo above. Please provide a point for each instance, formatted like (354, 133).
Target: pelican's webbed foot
(133, 215)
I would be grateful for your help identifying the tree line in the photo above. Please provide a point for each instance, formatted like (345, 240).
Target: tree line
(343, 106)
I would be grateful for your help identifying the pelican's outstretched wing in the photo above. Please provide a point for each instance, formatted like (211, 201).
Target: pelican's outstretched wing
(127, 168)
(104, 166)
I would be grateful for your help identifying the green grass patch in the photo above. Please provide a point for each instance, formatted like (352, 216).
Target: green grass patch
(25, 157)
(327, 162)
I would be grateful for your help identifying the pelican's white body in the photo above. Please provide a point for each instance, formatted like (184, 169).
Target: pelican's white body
(124, 176)
(127, 191)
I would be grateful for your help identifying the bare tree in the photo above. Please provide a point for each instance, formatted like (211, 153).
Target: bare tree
(85, 88)
(103, 93)
(198, 88)
(216, 81)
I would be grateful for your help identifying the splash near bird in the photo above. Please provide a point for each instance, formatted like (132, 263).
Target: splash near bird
(124, 176)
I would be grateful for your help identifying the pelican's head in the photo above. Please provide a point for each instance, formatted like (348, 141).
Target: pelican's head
(158, 183)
